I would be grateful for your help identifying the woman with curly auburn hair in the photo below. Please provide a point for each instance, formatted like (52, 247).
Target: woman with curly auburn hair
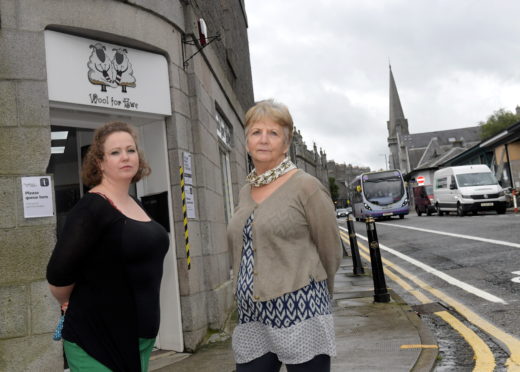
(90, 172)
(106, 267)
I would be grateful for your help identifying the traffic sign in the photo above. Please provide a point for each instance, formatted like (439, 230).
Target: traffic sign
(420, 180)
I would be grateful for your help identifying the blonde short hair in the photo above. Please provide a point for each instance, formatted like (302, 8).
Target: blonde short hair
(275, 111)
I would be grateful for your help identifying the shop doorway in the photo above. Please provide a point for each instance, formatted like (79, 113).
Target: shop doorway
(71, 134)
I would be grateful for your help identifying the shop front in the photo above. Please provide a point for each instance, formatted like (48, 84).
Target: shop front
(91, 82)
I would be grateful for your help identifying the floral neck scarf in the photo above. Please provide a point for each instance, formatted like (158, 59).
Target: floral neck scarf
(267, 177)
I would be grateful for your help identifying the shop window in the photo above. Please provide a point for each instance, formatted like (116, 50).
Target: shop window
(69, 146)
(224, 135)
(223, 130)
(226, 184)
(65, 167)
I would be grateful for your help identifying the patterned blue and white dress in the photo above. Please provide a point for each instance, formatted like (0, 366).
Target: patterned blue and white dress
(296, 326)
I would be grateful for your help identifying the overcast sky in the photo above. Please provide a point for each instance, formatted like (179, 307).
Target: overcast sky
(454, 63)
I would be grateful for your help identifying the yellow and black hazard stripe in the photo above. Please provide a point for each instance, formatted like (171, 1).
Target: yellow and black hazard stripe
(185, 216)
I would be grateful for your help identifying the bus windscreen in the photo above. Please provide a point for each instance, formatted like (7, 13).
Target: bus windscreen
(385, 189)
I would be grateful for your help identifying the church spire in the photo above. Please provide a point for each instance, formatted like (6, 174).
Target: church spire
(396, 110)
(397, 130)
(397, 123)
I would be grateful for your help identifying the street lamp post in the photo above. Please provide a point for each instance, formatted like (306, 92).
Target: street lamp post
(386, 161)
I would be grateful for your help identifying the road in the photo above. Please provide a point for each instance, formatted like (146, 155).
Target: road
(469, 265)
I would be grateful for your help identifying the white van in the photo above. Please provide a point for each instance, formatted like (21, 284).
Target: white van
(467, 188)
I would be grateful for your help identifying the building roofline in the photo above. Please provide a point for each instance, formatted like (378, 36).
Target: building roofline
(507, 135)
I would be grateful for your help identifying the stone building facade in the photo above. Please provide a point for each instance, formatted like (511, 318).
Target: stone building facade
(188, 115)
(344, 174)
(312, 161)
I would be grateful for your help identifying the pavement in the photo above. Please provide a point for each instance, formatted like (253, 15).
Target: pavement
(370, 336)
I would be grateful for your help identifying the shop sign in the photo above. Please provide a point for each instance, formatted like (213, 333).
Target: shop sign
(37, 197)
(95, 73)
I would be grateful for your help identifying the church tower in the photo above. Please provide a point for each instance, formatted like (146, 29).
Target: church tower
(397, 130)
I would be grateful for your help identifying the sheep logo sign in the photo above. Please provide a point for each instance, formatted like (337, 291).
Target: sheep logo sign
(110, 72)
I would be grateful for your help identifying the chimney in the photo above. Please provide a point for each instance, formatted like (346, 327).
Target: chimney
(457, 142)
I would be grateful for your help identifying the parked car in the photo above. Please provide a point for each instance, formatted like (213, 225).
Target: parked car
(343, 212)
(423, 200)
(467, 188)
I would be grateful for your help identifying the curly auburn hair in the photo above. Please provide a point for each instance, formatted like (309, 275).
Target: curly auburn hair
(91, 172)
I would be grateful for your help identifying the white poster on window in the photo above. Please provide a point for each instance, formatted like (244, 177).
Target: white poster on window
(190, 201)
(37, 197)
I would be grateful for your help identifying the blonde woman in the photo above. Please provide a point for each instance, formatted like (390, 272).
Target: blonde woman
(286, 250)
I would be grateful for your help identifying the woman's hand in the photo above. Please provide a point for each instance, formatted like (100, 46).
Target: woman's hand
(62, 294)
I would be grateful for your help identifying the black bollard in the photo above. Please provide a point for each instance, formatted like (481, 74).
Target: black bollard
(356, 259)
(380, 292)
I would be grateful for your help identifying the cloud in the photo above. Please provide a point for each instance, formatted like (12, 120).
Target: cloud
(454, 64)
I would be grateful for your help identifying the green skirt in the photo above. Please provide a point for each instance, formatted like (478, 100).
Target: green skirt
(80, 361)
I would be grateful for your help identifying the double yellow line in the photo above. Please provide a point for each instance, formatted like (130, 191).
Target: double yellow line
(484, 358)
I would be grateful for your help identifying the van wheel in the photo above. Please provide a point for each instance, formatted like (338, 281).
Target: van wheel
(418, 211)
(460, 210)
(439, 212)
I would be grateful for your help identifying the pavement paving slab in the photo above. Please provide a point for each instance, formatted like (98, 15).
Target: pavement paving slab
(369, 336)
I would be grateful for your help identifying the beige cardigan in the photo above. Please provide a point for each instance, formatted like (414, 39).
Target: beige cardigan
(295, 237)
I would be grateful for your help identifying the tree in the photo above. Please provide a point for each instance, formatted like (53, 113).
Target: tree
(333, 187)
(497, 122)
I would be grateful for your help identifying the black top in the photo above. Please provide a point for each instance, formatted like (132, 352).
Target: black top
(116, 264)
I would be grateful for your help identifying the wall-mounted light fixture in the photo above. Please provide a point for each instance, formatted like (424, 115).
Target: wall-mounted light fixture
(204, 40)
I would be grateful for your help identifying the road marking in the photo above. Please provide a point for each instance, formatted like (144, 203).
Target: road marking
(417, 346)
(484, 358)
(509, 341)
(492, 241)
(516, 279)
(448, 278)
